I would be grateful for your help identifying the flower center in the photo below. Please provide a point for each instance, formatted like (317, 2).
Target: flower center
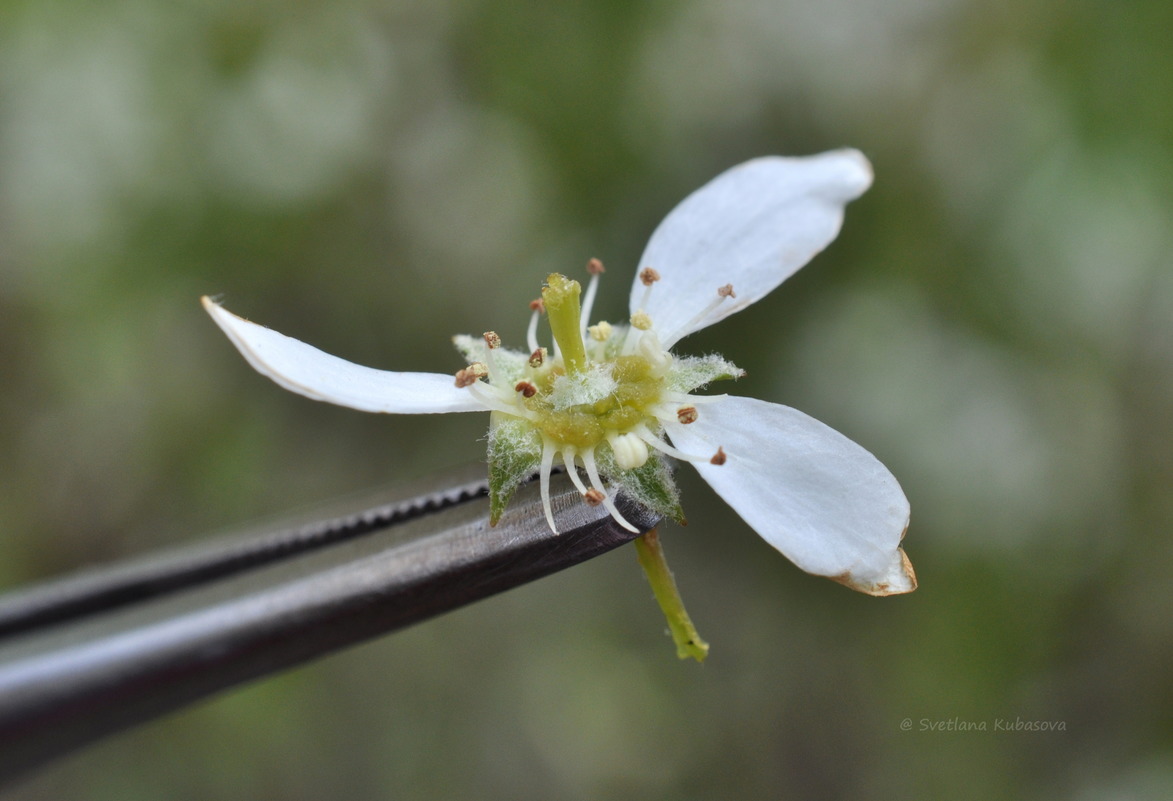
(608, 398)
(599, 400)
(581, 399)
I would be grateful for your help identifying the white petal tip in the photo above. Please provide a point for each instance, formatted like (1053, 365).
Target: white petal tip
(901, 579)
(853, 172)
(222, 316)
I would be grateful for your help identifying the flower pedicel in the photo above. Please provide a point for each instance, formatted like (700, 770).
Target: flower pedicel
(614, 400)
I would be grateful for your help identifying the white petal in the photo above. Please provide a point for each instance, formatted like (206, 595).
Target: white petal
(816, 496)
(308, 371)
(753, 227)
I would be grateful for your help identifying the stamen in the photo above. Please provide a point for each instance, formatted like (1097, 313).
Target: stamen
(631, 338)
(531, 334)
(492, 399)
(641, 320)
(600, 332)
(544, 480)
(468, 376)
(657, 358)
(588, 461)
(647, 436)
(722, 293)
(593, 497)
(647, 277)
(492, 342)
(568, 454)
(526, 389)
(595, 268)
(686, 415)
(719, 457)
(685, 398)
(537, 357)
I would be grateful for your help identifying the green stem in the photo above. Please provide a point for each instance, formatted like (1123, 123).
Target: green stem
(652, 560)
(565, 314)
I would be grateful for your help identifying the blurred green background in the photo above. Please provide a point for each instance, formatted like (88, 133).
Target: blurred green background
(994, 323)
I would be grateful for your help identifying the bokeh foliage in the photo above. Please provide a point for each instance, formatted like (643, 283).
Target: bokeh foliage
(994, 323)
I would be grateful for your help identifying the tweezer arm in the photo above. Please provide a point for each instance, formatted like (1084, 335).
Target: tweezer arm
(71, 683)
(136, 580)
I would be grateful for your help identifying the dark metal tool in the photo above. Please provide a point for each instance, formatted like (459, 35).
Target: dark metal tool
(86, 656)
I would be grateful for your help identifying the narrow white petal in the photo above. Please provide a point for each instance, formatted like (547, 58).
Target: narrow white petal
(752, 227)
(816, 496)
(308, 371)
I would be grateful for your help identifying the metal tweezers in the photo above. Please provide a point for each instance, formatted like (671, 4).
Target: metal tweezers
(88, 655)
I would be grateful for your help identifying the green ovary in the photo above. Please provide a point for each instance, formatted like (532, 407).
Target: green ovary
(585, 426)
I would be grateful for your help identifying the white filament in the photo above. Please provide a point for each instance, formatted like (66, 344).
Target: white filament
(544, 478)
(588, 461)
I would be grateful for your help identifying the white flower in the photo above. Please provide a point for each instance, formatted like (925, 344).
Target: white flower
(606, 395)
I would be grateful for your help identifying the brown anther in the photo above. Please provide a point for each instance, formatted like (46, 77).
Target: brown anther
(471, 374)
(595, 267)
(726, 291)
(718, 457)
(593, 497)
(648, 276)
(526, 389)
(686, 414)
(492, 340)
(537, 357)
(538, 305)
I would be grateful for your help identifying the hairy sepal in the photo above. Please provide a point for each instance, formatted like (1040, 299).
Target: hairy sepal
(650, 485)
(689, 373)
(515, 454)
